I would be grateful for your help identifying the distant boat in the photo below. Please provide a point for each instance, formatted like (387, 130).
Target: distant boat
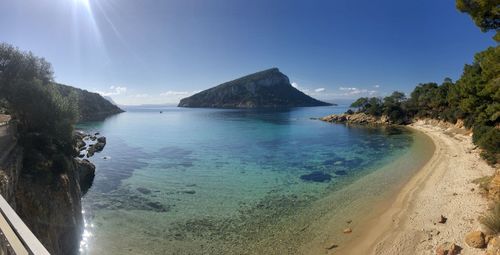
(161, 111)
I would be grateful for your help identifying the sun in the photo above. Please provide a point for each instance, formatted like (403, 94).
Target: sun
(86, 3)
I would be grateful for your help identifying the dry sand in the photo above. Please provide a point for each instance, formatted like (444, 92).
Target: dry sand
(442, 187)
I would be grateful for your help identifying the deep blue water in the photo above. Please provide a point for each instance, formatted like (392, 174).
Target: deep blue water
(180, 181)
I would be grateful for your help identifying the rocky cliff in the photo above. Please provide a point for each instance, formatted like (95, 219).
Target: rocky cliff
(91, 106)
(49, 203)
(265, 89)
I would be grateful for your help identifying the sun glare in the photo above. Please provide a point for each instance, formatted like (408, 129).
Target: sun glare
(83, 2)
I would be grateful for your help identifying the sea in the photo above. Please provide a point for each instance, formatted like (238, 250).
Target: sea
(231, 181)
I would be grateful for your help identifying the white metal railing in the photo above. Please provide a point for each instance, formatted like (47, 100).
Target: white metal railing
(18, 235)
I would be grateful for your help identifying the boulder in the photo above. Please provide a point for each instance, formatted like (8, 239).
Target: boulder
(90, 151)
(475, 239)
(448, 248)
(98, 147)
(101, 139)
(493, 246)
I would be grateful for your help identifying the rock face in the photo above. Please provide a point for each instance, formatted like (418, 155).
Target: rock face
(51, 208)
(49, 204)
(475, 239)
(265, 89)
(91, 106)
(86, 173)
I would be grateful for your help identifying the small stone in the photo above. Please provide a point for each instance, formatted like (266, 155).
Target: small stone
(448, 248)
(454, 194)
(472, 189)
(347, 231)
(475, 239)
(442, 219)
(349, 221)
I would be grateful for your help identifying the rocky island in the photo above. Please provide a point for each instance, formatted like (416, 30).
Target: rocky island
(266, 89)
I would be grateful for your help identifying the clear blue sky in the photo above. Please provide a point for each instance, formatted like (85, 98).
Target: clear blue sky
(152, 51)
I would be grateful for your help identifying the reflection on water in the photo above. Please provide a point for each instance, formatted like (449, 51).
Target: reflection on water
(207, 181)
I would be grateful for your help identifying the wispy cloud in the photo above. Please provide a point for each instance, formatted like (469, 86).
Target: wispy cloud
(174, 93)
(142, 95)
(319, 90)
(356, 91)
(297, 86)
(113, 91)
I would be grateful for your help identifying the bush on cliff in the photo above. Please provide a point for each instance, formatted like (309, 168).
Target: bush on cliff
(45, 118)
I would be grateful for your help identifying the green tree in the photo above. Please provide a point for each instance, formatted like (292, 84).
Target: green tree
(45, 118)
(485, 13)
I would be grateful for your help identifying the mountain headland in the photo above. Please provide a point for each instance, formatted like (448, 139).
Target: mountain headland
(266, 89)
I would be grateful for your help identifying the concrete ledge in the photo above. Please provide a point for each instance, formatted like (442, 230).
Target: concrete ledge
(20, 238)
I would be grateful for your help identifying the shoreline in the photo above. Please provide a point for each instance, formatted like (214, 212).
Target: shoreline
(443, 186)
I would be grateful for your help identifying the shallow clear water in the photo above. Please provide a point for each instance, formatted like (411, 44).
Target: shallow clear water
(207, 181)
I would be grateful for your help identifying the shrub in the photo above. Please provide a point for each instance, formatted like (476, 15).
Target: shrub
(492, 219)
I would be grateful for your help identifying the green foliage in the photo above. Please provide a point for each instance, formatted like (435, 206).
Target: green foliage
(477, 92)
(488, 138)
(485, 13)
(372, 106)
(392, 106)
(45, 117)
(474, 98)
(483, 182)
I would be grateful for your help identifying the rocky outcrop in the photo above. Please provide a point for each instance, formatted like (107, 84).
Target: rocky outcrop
(265, 89)
(356, 118)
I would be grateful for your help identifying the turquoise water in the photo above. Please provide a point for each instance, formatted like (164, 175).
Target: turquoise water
(207, 181)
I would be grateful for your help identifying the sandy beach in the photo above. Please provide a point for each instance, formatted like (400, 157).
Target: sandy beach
(442, 187)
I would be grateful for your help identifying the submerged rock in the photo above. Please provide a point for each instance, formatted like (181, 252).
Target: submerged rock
(340, 172)
(316, 176)
(156, 206)
(144, 190)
